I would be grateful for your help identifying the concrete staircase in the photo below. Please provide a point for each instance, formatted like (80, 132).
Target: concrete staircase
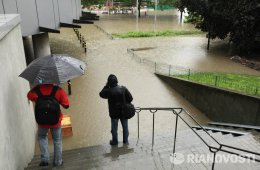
(141, 156)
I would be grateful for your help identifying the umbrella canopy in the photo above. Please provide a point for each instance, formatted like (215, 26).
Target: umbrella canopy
(53, 69)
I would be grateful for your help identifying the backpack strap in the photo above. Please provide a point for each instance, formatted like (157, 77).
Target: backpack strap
(37, 91)
(39, 94)
(123, 93)
(54, 90)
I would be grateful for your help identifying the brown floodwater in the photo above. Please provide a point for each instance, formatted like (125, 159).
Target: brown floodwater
(89, 113)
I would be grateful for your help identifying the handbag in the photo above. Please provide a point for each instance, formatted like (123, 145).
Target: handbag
(128, 109)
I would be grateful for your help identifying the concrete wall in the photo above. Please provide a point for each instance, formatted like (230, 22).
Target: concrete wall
(218, 104)
(41, 45)
(17, 124)
(42, 13)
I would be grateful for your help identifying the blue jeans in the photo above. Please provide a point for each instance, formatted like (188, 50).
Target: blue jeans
(57, 142)
(114, 125)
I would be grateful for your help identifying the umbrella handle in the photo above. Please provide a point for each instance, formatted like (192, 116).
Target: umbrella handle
(69, 87)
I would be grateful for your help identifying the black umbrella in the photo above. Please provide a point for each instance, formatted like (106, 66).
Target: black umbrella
(53, 69)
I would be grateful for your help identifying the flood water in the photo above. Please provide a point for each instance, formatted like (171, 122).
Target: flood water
(90, 119)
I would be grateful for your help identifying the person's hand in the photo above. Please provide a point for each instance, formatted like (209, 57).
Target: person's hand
(107, 85)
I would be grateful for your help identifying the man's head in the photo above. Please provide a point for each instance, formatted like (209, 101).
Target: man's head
(112, 80)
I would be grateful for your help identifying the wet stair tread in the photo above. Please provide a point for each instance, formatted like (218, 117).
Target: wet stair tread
(250, 127)
(87, 155)
(100, 160)
(223, 130)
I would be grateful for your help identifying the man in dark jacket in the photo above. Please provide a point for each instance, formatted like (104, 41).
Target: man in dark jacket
(114, 94)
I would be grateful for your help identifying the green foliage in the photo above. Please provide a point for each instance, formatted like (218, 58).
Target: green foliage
(238, 19)
(154, 34)
(166, 4)
(243, 83)
(192, 19)
(92, 2)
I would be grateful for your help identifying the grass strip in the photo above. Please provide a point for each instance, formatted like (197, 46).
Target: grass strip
(154, 34)
(247, 84)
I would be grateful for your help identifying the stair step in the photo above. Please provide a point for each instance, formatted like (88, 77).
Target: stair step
(101, 159)
(222, 130)
(246, 127)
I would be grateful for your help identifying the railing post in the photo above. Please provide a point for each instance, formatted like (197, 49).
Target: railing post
(213, 163)
(138, 125)
(216, 79)
(153, 133)
(189, 74)
(170, 70)
(175, 133)
(256, 90)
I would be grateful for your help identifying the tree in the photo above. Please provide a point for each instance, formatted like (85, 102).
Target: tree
(246, 28)
(236, 19)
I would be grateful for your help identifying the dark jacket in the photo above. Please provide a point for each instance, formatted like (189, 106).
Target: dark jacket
(114, 94)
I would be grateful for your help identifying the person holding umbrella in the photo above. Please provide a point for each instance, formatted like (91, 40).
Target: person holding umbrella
(61, 97)
(46, 73)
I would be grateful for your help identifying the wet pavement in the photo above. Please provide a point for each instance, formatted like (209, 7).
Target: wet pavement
(90, 120)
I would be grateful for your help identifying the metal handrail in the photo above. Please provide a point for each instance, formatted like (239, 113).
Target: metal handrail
(177, 112)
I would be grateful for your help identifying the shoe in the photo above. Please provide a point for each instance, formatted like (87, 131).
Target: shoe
(125, 143)
(113, 143)
(55, 165)
(44, 163)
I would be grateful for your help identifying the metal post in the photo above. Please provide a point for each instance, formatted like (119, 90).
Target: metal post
(138, 124)
(137, 19)
(175, 133)
(213, 163)
(216, 79)
(153, 132)
(85, 46)
(189, 74)
(81, 39)
(256, 90)
(170, 70)
(69, 87)
(155, 16)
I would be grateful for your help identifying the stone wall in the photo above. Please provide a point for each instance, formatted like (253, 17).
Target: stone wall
(219, 104)
(17, 124)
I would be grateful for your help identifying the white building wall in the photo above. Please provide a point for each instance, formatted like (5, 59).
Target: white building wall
(42, 13)
(17, 124)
